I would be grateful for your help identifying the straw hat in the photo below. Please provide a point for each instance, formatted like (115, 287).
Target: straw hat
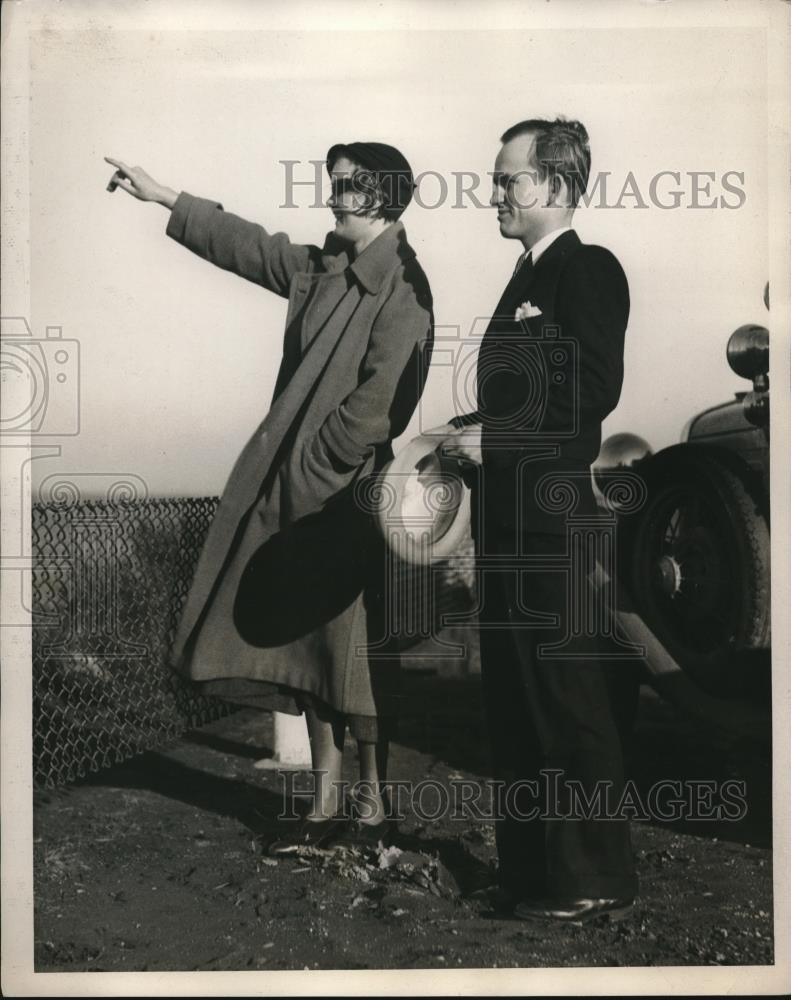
(422, 503)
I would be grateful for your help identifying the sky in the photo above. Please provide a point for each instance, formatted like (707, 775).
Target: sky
(177, 359)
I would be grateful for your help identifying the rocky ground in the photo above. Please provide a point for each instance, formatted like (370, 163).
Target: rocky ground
(157, 864)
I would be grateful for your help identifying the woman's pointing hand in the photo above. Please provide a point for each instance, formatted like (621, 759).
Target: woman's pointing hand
(135, 181)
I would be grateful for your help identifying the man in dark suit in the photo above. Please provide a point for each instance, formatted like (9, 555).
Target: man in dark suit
(550, 369)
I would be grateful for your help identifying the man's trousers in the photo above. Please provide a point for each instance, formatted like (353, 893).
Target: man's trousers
(557, 726)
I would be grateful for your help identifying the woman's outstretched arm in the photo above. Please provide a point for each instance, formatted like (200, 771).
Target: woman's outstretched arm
(224, 239)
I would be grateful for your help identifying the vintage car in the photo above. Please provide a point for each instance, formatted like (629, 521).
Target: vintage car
(695, 557)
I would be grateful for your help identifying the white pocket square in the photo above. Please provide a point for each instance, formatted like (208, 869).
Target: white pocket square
(526, 311)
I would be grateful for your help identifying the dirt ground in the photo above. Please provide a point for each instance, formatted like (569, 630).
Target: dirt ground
(157, 864)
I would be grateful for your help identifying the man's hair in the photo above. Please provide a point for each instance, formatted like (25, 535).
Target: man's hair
(561, 147)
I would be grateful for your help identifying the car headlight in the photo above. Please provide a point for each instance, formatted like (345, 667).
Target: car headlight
(748, 351)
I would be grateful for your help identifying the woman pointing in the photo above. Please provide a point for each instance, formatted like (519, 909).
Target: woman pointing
(287, 609)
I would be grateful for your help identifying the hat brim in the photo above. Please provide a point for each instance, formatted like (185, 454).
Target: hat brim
(423, 507)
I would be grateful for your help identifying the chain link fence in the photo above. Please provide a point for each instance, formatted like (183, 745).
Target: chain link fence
(109, 582)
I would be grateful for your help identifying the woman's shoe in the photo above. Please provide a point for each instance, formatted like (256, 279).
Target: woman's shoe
(364, 835)
(306, 833)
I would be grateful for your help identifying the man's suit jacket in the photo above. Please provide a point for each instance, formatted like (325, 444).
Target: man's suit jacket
(546, 383)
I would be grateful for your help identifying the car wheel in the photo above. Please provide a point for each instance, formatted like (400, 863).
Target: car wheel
(696, 561)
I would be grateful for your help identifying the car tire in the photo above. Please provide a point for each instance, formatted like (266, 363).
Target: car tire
(696, 561)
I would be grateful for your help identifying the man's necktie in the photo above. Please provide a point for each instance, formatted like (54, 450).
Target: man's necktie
(526, 261)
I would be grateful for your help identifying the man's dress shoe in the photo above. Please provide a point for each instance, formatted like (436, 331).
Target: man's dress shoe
(571, 911)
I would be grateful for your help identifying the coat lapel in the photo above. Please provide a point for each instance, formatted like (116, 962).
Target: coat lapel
(529, 282)
(277, 422)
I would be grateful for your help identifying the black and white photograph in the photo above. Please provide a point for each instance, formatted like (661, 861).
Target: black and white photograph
(395, 521)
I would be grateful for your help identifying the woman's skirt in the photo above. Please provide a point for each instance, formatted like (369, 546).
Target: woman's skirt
(266, 696)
